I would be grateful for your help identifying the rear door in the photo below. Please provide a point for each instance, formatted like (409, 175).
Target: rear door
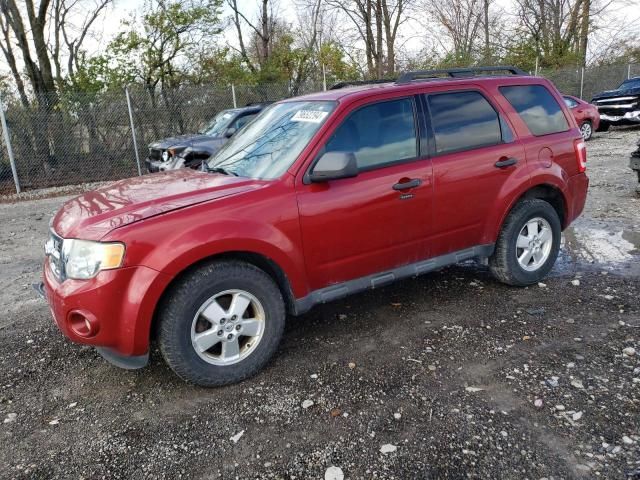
(546, 131)
(380, 219)
(474, 156)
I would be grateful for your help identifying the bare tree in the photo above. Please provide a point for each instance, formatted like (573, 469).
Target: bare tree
(366, 17)
(394, 15)
(560, 28)
(72, 34)
(25, 26)
(263, 32)
(461, 21)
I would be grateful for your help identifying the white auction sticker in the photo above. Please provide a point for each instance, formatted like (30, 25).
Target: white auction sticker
(313, 116)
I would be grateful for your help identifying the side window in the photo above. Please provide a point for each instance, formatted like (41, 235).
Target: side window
(464, 120)
(242, 121)
(570, 102)
(378, 134)
(537, 108)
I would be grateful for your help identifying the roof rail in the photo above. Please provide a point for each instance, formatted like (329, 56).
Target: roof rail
(354, 83)
(408, 77)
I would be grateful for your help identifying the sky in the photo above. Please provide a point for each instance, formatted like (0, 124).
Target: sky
(621, 12)
(413, 34)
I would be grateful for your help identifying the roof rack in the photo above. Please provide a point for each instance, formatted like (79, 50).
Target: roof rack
(408, 77)
(354, 83)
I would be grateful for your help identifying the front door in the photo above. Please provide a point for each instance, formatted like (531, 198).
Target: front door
(379, 219)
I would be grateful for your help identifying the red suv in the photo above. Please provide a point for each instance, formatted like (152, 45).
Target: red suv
(319, 197)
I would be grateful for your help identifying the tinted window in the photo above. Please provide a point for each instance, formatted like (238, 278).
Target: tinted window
(570, 102)
(463, 120)
(537, 107)
(378, 134)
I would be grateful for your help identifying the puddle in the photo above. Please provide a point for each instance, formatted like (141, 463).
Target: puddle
(612, 249)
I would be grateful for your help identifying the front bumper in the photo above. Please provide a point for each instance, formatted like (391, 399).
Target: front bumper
(112, 311)
(153, 165)
(628, 118)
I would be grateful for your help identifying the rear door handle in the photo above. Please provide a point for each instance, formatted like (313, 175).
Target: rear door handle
(414, 182)
(506, 162)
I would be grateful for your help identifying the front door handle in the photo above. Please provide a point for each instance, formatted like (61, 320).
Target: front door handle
(506, 162)
(407, 184)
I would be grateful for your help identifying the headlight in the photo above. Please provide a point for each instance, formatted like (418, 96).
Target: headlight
(83, 259)
(165, 155)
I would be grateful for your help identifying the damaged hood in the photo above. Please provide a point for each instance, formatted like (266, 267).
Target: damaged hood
(180, 141)
(625, 92)
(94, 214)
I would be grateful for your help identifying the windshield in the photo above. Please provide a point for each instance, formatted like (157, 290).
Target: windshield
(633, 83)
(219, 124)
(268, 145)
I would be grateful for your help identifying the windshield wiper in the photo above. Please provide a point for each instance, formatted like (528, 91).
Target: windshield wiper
(221, 170)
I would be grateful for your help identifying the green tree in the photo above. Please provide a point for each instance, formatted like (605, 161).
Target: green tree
(161, 53)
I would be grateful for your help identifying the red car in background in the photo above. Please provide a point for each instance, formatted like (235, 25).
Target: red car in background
(586, 115)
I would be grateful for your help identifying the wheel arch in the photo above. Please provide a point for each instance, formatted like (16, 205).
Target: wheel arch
(259, 260)
(544, 191)
(553, 196)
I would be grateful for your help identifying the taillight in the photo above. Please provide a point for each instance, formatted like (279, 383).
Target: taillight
(581, 155)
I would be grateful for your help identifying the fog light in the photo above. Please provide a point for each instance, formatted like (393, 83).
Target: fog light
(83, 324)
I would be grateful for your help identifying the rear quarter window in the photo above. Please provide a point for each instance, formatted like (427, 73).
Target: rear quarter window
(537, 108)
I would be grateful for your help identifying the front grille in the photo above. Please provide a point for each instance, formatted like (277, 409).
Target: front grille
(155, 154)
(618, 106)
(53, 250)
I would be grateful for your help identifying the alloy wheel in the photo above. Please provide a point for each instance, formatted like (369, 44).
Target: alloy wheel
(228, 327)
(534, 244)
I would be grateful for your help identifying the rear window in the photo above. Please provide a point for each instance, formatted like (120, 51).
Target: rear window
(537, 108)
(462, 121)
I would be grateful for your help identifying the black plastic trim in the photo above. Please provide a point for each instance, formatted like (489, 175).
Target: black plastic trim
(123, 361)
(39, 288)
(377, 280)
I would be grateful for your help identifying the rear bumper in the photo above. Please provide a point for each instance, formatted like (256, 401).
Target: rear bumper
(112, 311)
(578, 185)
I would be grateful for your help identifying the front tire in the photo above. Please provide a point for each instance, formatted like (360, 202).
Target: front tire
(586, 130)
(221, 323)
(603, 127)
(528, 243)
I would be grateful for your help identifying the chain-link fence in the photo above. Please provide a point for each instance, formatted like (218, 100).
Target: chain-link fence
(76, 138)
(586, 82)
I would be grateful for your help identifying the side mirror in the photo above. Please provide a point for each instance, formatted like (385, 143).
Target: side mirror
(229, 132)
(334, 165)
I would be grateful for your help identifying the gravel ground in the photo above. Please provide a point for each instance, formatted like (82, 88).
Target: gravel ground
(451, 375)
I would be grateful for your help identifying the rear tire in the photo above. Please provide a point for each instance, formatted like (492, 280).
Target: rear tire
(232, 297)
(528, 244)
(603, 127)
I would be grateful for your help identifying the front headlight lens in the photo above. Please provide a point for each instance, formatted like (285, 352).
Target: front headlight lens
(84, 259)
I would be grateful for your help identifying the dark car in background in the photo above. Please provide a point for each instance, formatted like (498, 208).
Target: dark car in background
(586, 115)
(191, 149)
(620, 106)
